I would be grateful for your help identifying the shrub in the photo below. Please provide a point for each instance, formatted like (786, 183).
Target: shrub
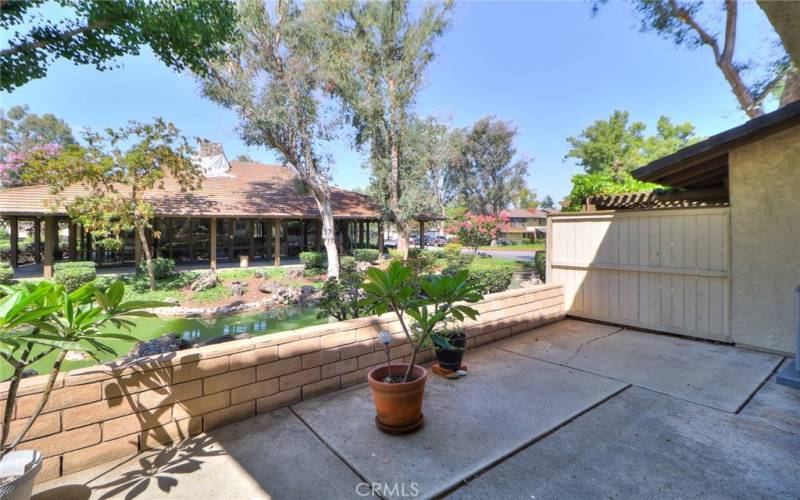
(421, 260)
(365, 255)
(347, 264)
(76, 264)
(75, 277)
(540, 265)
(452, 249)
(162, 267)
(6, 273)
(314, 260)
(340, 297)
(490, 280)
(395, 254)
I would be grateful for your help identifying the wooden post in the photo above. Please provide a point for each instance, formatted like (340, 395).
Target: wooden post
(171, 226)
(318, 236)
(37, 240)
(366, 224)
(269, 238)
(278, 227)
(72, 245)
(251, 232)
(360, 234)
(50, 228)
(421, 234)
(304, 228)
(381, 247)
(13, 223)
(231, 249)
(190, 237)
(212, 251)
(88, 243)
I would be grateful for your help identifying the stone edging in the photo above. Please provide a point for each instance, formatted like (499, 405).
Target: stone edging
(210, 312)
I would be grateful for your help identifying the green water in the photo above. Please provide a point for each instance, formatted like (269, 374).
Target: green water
(194, 330)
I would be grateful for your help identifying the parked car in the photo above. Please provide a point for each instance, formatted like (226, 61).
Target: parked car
(390, 244)
(500, 242)
(413, 240)
(440, 241)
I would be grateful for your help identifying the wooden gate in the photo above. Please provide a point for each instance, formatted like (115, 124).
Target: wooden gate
(666, 270)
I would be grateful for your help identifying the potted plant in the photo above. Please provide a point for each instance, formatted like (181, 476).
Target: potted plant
(450, 357)
(398, 389)
(37, 320)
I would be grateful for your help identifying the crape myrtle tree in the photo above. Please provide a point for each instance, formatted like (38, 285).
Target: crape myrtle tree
(182, 33)
(688, 23)
(486, 177)
(377, 54)
(271, 77)
(119, 167)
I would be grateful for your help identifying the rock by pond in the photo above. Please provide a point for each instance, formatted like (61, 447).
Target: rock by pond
(205, 281)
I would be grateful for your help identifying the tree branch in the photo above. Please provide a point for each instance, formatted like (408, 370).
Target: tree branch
(44, 42)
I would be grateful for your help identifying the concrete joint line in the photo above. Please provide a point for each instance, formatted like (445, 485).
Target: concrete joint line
(763, 382)
(333, 450)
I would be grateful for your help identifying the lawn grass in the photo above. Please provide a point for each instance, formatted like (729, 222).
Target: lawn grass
(481, 264)
(517, 247)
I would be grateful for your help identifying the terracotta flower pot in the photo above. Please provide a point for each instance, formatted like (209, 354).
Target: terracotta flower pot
(399, 405)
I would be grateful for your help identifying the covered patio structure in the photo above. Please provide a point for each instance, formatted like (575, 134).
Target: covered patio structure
(247, 212)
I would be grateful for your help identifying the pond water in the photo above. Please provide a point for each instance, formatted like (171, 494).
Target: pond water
(195, 330)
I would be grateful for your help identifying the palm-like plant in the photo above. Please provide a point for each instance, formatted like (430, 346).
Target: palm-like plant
(440, 299)
(37, 320)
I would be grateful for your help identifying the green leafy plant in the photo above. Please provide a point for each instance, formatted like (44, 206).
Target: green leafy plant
(74, 276)
(490, 280)
(441, 299)
(366, 254)
(6, 273)
(341, 297)
(540, 265)
(314, 260)
(74, 264)
(347, 264)
(162, 268)
(43, 318)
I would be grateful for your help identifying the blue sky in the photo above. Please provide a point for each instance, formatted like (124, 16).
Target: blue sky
(549, 67)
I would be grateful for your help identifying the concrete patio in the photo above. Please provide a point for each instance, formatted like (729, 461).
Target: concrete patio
(569, 410)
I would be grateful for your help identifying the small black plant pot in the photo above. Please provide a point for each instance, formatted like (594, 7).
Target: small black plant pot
(451, 360)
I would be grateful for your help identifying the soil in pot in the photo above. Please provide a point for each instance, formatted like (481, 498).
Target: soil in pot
(398, 404)
(451, 360)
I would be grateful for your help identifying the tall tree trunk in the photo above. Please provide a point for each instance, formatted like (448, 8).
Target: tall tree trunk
(323, 198)
(394, 198)
(151, 274)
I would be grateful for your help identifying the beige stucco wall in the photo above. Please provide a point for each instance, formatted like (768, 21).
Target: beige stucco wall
(765, 233)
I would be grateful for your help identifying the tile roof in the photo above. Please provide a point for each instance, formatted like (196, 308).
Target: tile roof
(248, 190)
(525, 213)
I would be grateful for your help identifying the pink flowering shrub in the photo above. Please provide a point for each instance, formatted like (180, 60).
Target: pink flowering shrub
(477, 230)
(12, 165)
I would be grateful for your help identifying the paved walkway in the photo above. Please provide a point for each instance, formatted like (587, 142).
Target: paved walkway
(570, 410)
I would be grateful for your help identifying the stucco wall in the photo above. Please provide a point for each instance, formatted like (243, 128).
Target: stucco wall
(765, 233)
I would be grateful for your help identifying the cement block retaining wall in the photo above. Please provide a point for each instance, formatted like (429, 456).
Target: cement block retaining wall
(107, 412)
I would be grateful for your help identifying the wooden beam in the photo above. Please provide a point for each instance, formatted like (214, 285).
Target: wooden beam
(422, 234)
(360, 233)
(72, 244)
(318, 236)
(251, 234)
(190, 237)
(37, 240)
(13, 224)
(304, 228)
(231, 243)
(278, 227)
(212, 251)
(269, 237)
(381, 245)
(50, 229)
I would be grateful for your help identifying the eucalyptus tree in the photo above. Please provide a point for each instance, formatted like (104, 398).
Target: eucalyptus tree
(377, 55)
(271, 77)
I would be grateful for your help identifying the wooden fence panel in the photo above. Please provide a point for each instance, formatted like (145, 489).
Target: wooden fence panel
(665, 270)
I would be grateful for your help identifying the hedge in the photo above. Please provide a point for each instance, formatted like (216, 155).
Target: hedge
(74, 264)
(6, 273)
(314, 260)
(366, 255)
(540, 265)
(490, 280)
(347, 264)
(162, 267)
(74, 277)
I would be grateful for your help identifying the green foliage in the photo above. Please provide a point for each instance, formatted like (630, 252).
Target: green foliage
(455, 258)
(182, 33)
(162, 268)
(587, 185)
(490, 280)
(75, 277)
(540, 265)
(486, 177)
(74, 264)
(21, 131)
(6, 273)
(341, 297)
(421, 260)
(366, 255)
(477, 230)
(614, 147)
(439, 301)
(39, 319)
(547, 202)
(395, 254)
(347, 264)
(314, 260)
(452, 249)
